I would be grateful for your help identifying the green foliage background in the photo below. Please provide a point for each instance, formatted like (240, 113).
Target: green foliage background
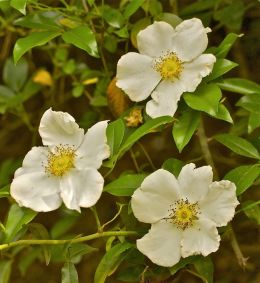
(78, 43)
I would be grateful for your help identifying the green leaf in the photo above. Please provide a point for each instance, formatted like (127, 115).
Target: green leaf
(83, 38)
(5, 270)
(15, 75)
(173, 165)
(197, 7)
(206, 98)
(17, 218)
(146, 128)
(231, 15)
(110, 261)
(113, 16)
(76, 251)
(169, 18)
(242, 86)
(7, 98)
(222, 50)
(125, 185)
(243, 176)
(253, 122)
(69, 273)
(63, 225)
(252, 210)
(22, 45)
(182, 263)
(5, 192)
(43, 20)
(223, 114)
(184, 128)
(205, 268)
(115, 135)
(238, 145)
(251, 103)
(132, 7)
(221, 67)
(19, 5)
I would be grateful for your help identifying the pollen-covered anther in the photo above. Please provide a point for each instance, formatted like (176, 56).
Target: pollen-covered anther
(184, 213)
(60, 161)
(169, 66)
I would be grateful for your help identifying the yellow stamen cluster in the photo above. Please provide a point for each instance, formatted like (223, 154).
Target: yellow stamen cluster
(135, 118)
(169, 66)
(61, 161)
(183, 214)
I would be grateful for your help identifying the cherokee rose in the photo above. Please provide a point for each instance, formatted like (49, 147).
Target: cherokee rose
(184, 213)
(65, 168)
(170, 63)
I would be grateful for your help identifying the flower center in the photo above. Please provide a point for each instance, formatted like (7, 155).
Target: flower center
(169, 66)
(61, 161)
(184, 213)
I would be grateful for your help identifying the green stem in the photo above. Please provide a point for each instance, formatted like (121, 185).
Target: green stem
(93, 209)
(68, 241)
(205, 148)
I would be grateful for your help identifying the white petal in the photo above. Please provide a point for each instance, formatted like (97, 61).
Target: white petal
(220, 202)
(194, 182)
(155, 39)
(164, 99)
(94, 148)
(190, 39)
(136, 76)
(60, 128)
(34, 161)
(194, 71)
(151, 202)
(202, 239)
(37, 191)
(81, 188)
(161, 244)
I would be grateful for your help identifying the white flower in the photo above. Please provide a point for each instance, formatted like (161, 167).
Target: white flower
(170, 63)
(65, 168)
(184, 213)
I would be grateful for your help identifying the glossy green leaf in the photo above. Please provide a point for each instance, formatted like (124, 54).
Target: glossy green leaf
(69, 273)
(222, 50)
(115, 135)
(76, 251)
(83, 38)
(169, 18)
(221, 67)
(242, 86)
(19, 5)
(206, 98)
(173, 165)
(184, 128)
(204, 267)
(44, 21)
(63, 225)
(113, 16)
(17, 218)
(5, 270)
(110, 261)
(197, 7)
(125, 185)
(238, 145)
(22, 45)
(143, 130)
(253, 121)
(132, 7)
(251, 103)
(243, 176)
(223, 114)
(15, 75)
